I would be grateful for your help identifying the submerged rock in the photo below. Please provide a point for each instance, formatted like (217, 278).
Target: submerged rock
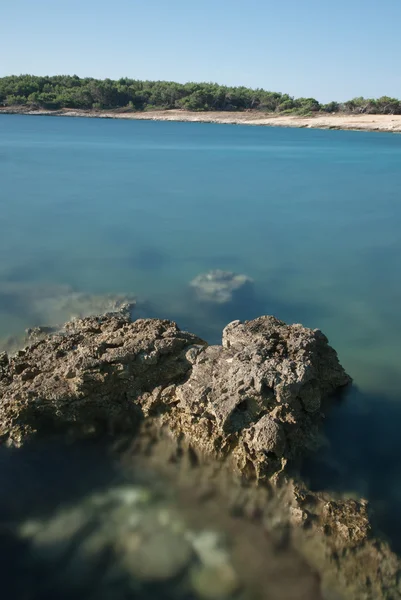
(214, 577)
(75, 304)
(220, 287)
(157, 556)
(150, 547)
(125, 537)
(215, 582)
(53, 305)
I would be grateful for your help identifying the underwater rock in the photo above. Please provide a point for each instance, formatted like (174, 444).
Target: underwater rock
(53, 305)
(220, 287)
(215, 582)
(15, 342)
(159, 556)
(214, 577)
(80, 304)
(118, 535)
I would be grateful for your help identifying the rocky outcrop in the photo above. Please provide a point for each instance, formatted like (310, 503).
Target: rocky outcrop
(220, 287)
(94, 375)
(337, 538)
(256, 398)
(256, 401)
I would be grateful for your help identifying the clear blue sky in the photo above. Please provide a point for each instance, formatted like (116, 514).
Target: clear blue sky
(328, 50)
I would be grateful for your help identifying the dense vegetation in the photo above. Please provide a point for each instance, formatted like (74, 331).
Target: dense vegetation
(64, 91)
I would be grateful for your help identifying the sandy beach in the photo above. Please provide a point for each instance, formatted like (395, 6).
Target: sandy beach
(363, 122)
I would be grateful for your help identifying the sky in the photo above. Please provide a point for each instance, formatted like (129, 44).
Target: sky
(312, 48)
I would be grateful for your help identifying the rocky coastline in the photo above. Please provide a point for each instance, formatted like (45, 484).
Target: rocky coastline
(244, 412)
(337, 121)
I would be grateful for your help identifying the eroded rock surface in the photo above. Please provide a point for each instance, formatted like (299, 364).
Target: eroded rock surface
(256, 401)
(220, 287)
(95, 374)
(337, 538)
(256, 398)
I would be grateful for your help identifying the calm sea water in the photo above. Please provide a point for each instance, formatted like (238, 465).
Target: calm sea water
(108, 206)
(143, 207)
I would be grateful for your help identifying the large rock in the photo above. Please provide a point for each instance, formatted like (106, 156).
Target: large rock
(220, 287)
(256, 398)
(94, 374)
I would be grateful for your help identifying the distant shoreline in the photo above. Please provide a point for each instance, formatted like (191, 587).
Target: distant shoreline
(341, 121)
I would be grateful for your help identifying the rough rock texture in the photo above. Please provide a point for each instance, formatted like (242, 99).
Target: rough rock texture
(219, 287)
(257, 397)
(93, 374)
(336, 537)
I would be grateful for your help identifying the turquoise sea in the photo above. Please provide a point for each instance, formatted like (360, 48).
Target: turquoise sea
(141, 208)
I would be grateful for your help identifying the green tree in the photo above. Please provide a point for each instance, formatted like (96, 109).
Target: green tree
(71, 91)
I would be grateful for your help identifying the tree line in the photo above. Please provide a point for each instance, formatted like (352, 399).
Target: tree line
(65, 91)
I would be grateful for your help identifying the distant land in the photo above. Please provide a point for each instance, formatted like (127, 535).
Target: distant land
(67, 95)
(358, 122)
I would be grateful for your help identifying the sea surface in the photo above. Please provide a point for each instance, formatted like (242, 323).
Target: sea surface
(108, 206)
(95, 207)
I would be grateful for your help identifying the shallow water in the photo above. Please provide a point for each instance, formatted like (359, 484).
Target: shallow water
(143, 207)
(99, 207)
